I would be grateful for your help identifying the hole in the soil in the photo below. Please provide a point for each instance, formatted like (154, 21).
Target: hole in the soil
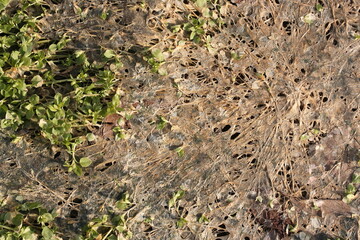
(77, 200)
(291, 61)
(301, 106)
(13, 164)
(149, 229)
(281, 94)
(60, 203)
(216, 130)
(303, 70)
(56, 155)
(287, 26)
(240, 78)
(185, 76)
(353, 109)
(325, 99)
(235, 135)
(74, 214)
(226, 128)
(231, 193)
(296, 121)
(247, 238)
(328, 32)
(196, 12)
(221, 232)
(246, 155)
(304, 194)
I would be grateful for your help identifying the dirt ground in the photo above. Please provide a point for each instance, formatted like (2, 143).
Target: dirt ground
(263, 123)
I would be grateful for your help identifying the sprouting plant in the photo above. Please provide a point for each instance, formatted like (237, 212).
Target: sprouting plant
(351, 188)
(156, 59)
(107, 227)
(176, 196)
(203, 219)
(196, 28)
(200, 28)
(124, 201)
(161, 123)
(181, 222)
(112, 226)
(180, 151)
(319, 7)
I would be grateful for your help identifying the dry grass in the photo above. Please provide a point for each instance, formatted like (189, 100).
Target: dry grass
(280, 125)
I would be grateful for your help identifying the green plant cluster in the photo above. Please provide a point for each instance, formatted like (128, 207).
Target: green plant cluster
(28, 221)
(31, 221)
(50, 89)
(200, 28)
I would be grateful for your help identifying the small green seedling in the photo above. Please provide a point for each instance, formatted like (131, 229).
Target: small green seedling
(124, 202)
(309, 18)
(180, 151)
(161, 123)
(181, 223)
(156, 59)
(108, 227)
(119, 133)
(351, 188)
(176, 196)
(319, 7)
(203, 219)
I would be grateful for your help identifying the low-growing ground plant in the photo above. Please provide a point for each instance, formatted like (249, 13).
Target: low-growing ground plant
(31, 221)
(28, 221)
(49, 89)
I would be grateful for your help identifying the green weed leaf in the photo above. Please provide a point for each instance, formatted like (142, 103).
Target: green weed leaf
(158, 55)
(90, 137)
(350, 189)
(181, 223)
(45, 218)
(203, 219)
(85, 162)
(18, 219)
(124, 202)
(30, 206)
(37, 81)
(3, 4)
(176, 196)
(47, 233)
(180, 151)
(201, 3)
(109, 53)
(77, 170)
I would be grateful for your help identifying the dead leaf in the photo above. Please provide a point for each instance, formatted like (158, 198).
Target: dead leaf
(334, 207)
(109, 122)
